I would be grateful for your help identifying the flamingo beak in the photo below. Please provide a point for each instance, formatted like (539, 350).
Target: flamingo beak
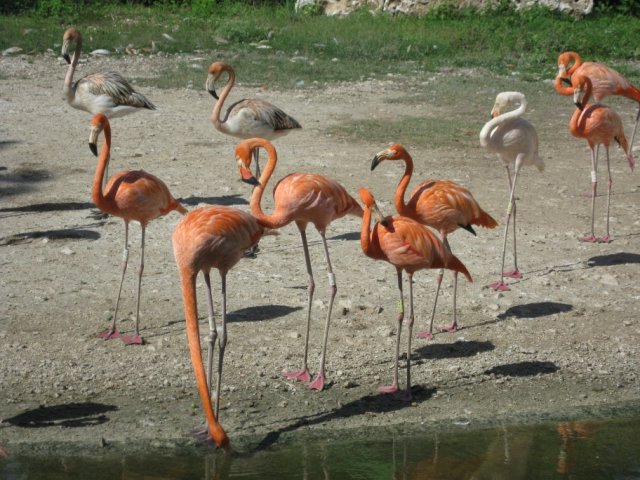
(66, 57)
(93, 140)
(211, 88)
(246, 175)
(375, 162)
(566, 81)
(377, 214)
(94, 149)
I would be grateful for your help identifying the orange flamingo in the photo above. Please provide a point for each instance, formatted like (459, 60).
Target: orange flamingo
(409, 246)
(515, 141)
(440, 204)
(302, 198)
(131, 195)
(206, 238)
(598, 124)
(606, 81)
(107, 93)
(246, 118)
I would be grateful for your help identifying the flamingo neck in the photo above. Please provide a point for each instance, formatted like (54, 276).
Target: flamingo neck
(485, 133)
(268, 221)
(103, 161)
(217, 109)
(577, 61)
(68, 79)
(401, 189)
(561, 88)
(365, 231)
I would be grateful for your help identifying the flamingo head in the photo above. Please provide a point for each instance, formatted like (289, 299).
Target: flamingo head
(215, 70)
(370, 203)
(504, 101)
(581, 91)
(394, 152)
(244, 155)
(98, 123)
(70, 35)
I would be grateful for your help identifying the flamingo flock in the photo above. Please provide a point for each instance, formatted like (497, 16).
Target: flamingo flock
(414, 239)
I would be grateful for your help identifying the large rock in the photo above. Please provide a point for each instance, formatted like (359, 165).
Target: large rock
(420, 7)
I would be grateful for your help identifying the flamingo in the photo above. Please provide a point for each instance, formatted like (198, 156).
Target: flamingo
(409, 246)
(606, 81)
(107, 93)
(131, 195)
(598, 124)
(246, 118)
(440, 204)
(206, 238)
(301, 198)
(515, 141)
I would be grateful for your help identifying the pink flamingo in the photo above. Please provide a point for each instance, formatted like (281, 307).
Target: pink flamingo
(440, 204)
(302, 198)
(598, 124)
(206, 238)
(409, 246)
(131, 195)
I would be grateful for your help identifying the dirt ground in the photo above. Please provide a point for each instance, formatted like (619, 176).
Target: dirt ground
(564, 340)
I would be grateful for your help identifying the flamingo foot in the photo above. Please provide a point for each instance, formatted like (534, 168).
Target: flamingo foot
(588, 238)
(388, 388)
(404, 395)
(425, 334)
(132, 339)
(499, 286)
(605, 239)
(109, 334)
(512, 274)
(318, 383)
(453, 328)
(302, 375)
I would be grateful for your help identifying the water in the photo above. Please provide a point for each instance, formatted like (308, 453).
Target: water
(577, 449)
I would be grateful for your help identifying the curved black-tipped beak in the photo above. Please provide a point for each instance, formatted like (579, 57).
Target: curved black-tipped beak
(67, 58)
(213, 93)
(94, 149)
(251, 181)
(566, 81)
(375, 162)
(579, 105)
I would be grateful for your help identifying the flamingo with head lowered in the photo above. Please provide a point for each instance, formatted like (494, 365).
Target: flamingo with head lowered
(302, 198)
(515, 141)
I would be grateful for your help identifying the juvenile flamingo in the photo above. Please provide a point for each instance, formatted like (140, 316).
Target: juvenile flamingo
(606, 81)
(440, 204)
(409, 246)
(302, 198)
(515, 141)
(206, 238)
(246, 118)
(131, 195)
(107, 93)
(598, 124)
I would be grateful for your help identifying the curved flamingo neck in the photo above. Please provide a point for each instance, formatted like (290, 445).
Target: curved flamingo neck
(577, 61)
(403, 183)
(256, 198)
(365, 231)
(68, 79)
(217, 109)
(588, 91)
(103, 160)
(485, 133)
(561, 88)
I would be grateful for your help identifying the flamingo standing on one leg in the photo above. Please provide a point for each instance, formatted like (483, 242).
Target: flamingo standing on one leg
(409, 246)
(515, 141)
(598, 124)
(440, 204)
(206, 238)
(246, 118)
(606, 81)
(302, 198)
(131, 195)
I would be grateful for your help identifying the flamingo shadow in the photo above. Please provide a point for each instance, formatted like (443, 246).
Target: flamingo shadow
(619, 258)
(535, 310)
(458, 349)
(347, 236)
(259, 313)
(523, 369)
(225, 200)
(20, 180)
(69, 415)
(65, 234)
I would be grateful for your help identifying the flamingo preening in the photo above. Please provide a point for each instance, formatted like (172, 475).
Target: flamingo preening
(598, 124)
(206, 238)
(302, 198)
(131, 195)
(409, 246)
(515, 141)
(246, 118)
(440, 204)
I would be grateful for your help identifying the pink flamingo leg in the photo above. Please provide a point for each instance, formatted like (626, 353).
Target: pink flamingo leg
(136, 339)
(454, 325)
(429, 334)
(607, 238)
(113, 331)
(591, 238)
(393, 388)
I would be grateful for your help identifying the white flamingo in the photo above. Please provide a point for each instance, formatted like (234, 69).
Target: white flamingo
(247, 118)
(515, 141)
(107, 93)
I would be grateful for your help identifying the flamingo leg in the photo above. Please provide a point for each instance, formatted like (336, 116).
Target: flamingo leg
(589, 194)
(393, 388)
(256, 158)
(594, 185)
(113, 331)
(406, 394)
(429, 334)
(500, 285)
(303, 373)
(635, 128)
(213, 333)
(454, 325)
(515, 273)
(136, 339)
(222, 341)
(318, 382)
(607, 237)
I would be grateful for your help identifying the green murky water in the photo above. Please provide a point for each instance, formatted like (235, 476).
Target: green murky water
(576, 449)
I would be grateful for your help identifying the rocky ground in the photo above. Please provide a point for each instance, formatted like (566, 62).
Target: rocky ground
(564, 341)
